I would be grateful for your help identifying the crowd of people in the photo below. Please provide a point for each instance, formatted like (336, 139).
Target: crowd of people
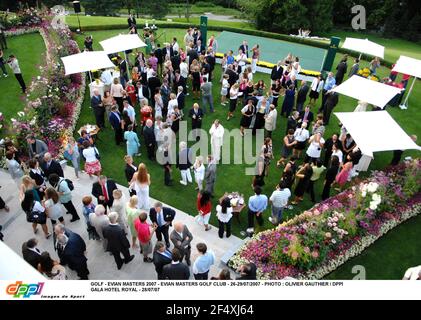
(150, 101)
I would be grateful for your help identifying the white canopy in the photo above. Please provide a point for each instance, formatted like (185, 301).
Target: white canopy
(375, 131)
(86, 61)
(364, 46)
(370, 91)
(122, 42)
(409, 66)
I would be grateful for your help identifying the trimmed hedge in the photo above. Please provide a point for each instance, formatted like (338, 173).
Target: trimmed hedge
(258, 33)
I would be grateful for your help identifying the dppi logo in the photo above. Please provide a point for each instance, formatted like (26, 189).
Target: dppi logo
(18, 289)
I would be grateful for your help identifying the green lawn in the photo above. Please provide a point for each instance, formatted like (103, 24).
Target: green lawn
(384, 260)
(12, 100)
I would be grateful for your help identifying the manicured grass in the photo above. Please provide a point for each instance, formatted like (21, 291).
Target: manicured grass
(230, 177)
(29, 49)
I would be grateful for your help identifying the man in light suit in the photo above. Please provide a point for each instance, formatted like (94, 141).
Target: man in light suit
(181, 237)
(36, 148)
(31, 253)
(162, 217)
(210, 175)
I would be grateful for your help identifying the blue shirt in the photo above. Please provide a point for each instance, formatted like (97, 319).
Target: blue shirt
(330, 82)
(203, 263)
(258, 203)
(230, 59)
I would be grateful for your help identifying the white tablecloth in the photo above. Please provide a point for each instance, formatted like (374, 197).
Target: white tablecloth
(100, 87)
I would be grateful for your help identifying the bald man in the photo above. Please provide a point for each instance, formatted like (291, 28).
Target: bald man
(181, 237)
(150, 140)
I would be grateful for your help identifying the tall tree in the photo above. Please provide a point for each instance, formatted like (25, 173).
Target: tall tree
(102, 7)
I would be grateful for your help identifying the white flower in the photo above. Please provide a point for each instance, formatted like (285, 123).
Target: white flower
(377, 198)
(363, 194)
(372, 187)
(373, 205)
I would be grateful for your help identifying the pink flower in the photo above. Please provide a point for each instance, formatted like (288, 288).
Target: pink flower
(307, 250)
(294, 255)
(315, 254)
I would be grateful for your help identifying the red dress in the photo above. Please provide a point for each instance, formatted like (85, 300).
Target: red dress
(146, 112)
(131, 93)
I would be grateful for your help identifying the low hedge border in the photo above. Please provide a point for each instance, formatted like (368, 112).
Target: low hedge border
(259, 33)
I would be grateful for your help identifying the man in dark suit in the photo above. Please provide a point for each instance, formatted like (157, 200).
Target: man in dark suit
(196, 114)
(50, 166)
(122, 65)
(98, 108)
(115, 121)
(302, 95)
(31, 253)
(103, 191)
(150, 140)
(210, 58)
(232, 75)
(332, 99)
(159, 55)
(306, 116)
(142, 91)
(176, 270)
(175, 61)
(162, 217)
(277, 72)
(167, 51)
(181, 237)
(245, 48)
(181, 98)
(193, 55)
(131, 22)
(179, 81)
(71, 250)
(117, 241)
(161, 257)
(153, 83)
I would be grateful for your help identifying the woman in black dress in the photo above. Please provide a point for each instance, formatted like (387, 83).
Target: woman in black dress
(175, 118)
(304, 175)
(248, 112)
(288, 176)
(196, 82)
(330, 177)
(38, 176)
(129, 171)
(276, 91)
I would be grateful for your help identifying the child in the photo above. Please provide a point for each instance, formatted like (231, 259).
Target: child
(224, 89)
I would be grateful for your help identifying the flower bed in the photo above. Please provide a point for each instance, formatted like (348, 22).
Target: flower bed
(53, 100)
(318, 241)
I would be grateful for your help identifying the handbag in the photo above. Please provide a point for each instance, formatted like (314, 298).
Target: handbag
(35, 216)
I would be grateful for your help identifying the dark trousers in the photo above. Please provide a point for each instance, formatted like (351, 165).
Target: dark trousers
(323, 100)
(251, 215)
(21, 82)
(3, 67)
(163, 231)
(99, 117)
(221, 228)
(71, 209)
(117, 256)
(201, 276)
(186, 255)
(397, 155)
(2, 203)
(3, 43)
(82, 271)
(311, 190)
(118, 135)
(119, 101)
(326, 161)
(327, 111)
(268, 134)
(151, 151)
(326, 191)
(167, 176)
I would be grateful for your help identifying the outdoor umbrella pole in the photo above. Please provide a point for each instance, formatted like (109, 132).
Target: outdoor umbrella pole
(404, 105)
(127, 64)
(90, 77)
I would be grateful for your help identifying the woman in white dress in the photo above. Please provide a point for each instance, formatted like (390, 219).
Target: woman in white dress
(199, 172)
(140, 183)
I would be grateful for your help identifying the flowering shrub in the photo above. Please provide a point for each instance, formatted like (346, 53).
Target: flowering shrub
(53, 100)
(319, 240)
(23, 19)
